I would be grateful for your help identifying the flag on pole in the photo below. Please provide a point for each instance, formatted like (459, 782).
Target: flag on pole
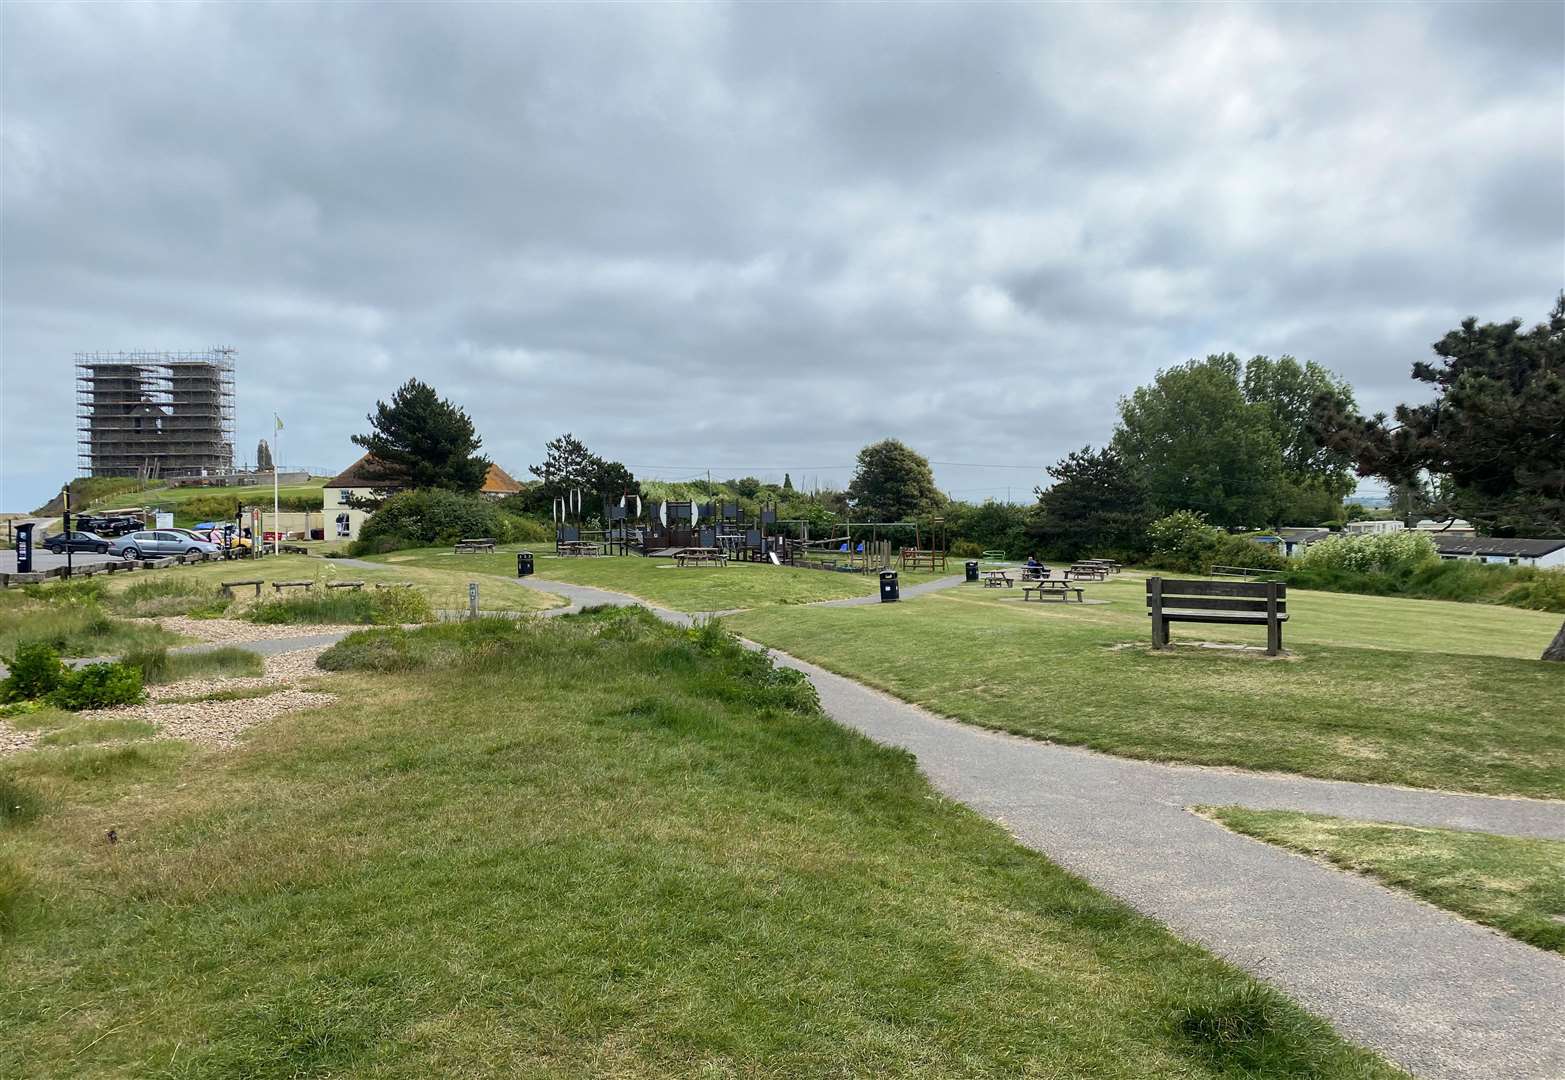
(279, 421)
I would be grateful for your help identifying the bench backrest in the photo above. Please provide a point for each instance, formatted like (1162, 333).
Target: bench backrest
(1243, 596)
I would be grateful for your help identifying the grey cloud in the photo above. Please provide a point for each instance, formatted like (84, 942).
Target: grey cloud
(762, 235)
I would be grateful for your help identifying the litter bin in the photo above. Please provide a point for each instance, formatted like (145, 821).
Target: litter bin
(972, 570)
(888, 586)
(524, 563)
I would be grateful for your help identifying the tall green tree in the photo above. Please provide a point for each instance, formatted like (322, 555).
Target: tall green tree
(1494, 433)
(893, 483)
(421, 440)
(568, 465)
(787, 482)
(1196, 443)
(1096, 504)
(1315, 478)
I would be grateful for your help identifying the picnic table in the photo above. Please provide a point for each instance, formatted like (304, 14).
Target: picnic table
(1088, 571)
(578, 549)
(1053, 587)
(471, 547)
(701, 556)
(1035, 573)
(1108, 564)
(993, 579)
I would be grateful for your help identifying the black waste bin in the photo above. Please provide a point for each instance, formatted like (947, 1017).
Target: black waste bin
(888, 586)
(524, 563)
(972, 570)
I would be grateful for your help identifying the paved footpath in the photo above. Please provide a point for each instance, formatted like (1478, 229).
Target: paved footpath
(1440, 996)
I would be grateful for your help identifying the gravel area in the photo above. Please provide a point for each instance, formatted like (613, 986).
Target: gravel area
(216, 724)
(239, 632)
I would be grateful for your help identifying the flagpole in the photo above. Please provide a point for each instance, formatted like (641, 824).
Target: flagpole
(276, 502)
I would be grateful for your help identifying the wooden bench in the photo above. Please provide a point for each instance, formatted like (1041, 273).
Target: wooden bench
(229, 586)
(993, 579)
(1242, 603)
(393, 584)
(1088, 572)
(1035, 573)
(354, 585)
(1062, 589)
(281, 585)
(472, 547)
(701, 557)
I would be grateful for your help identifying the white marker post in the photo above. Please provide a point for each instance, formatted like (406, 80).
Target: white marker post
(277, 533)
(472, 599)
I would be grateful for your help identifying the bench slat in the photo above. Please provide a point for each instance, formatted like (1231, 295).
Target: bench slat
(1172, 587)
(1258, 619)
(1217, 603)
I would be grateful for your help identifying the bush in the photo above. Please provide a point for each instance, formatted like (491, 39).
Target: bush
(431, 516)
(1183, 541)
(1387, 553)
(36, 672)
(98, 686)
(400, 604)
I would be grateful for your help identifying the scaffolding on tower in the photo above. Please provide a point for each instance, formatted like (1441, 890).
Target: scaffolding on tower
(155, 414)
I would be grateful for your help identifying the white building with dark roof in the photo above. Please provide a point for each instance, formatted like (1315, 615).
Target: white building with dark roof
(1544, 554)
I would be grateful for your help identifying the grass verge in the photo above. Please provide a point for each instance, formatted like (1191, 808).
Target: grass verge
(588, 847)
(1514, 884)
(70, 617)
(159, 666)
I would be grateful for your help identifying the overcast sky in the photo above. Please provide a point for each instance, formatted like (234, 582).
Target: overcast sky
(754, 238)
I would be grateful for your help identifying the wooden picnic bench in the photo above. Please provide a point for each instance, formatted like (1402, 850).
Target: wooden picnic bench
(1055, 587)
(472, 547)
(228, 586)
(1109, 565)
(281, 585)
(1244, 603)
(1088, 572)
(393, 584)
(993, 579)
(577, 549)
(701, 557)
(1035, 573)
(354, 585)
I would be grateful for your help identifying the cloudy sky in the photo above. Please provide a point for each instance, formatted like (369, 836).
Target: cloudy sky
(753, 238)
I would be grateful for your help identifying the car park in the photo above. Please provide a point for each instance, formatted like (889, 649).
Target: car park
(160, 543)
(79, 540)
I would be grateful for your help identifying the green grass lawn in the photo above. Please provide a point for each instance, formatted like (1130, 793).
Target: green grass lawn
(1513, 884)
(588, 847)
(660, 582)
(446, 586)
(1416, 692)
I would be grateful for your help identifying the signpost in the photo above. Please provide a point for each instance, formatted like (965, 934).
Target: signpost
(472, 599)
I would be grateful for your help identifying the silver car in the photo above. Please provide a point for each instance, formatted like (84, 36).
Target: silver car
(159, 543)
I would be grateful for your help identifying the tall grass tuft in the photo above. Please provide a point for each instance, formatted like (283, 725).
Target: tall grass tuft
(1252, 1030)
(168, 594)
(158, 665)
(383, 607)
(19, 803)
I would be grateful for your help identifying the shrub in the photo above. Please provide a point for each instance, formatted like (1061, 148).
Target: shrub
(36, 671)
(339, 606)
(1183, 541)
(401, 604)
(98, 686)
(431, 516)
(1388, 553)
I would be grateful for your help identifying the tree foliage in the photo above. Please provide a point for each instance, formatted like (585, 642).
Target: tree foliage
(893, 483)
(420, 440)
(1198, 444)
(569, 465)
(263, 457)
(1096, 504)
(1495, 432)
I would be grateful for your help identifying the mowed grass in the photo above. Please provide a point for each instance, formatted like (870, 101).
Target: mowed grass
(587, 847)
(1471, 715)
(662, 583)
(446, 587)
(1514, 884)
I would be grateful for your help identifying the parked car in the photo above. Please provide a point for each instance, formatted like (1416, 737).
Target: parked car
(223, 536)
(79, 541)
(110, 525)
(160, 543)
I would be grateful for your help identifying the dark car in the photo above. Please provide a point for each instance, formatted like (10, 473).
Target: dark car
(109, 525)
(79, 541)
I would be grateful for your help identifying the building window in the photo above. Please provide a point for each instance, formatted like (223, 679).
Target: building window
(343, 526)
(343, 495)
